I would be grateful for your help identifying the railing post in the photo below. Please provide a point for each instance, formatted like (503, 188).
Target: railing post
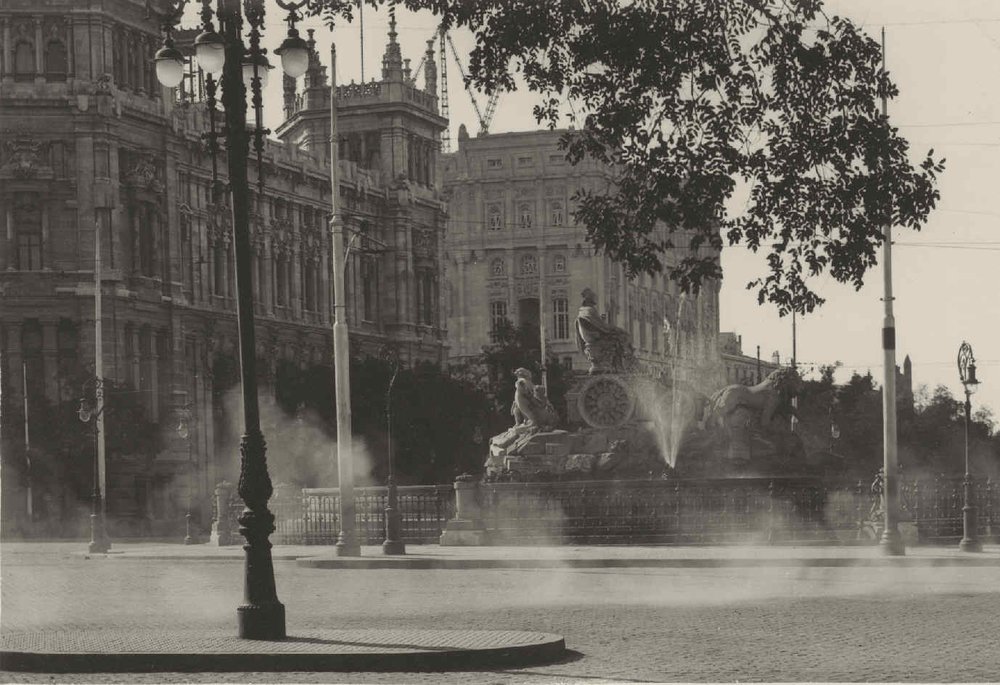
(467, 528)
(770, 512)
(222, 529)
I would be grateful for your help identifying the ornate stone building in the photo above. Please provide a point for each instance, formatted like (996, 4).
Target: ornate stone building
(513, 252)
(92, 142)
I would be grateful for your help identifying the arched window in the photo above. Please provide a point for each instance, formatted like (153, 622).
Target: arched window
(24, 61)
(56, 61)
(559, 264)
(497, 267)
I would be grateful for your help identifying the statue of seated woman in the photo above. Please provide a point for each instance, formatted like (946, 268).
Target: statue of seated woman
(607, 347)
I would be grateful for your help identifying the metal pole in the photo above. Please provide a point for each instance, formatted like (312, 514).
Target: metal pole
(347, 541)
(541, 318)
(795, 366)
(892, 542)
(27, 444)
(99, 541)
(969, 542)
(261, 616)
(393, 543)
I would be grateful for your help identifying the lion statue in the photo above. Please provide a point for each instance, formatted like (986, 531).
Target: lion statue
(759, 403)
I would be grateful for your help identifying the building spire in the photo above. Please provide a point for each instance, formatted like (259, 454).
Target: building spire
(392, 60)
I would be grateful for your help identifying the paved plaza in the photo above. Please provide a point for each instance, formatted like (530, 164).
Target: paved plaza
(799, 614)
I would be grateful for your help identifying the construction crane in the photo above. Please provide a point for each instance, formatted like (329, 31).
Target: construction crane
(491, 105)
(445, 134)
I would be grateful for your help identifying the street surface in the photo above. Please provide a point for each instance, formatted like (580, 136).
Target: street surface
(918, 624)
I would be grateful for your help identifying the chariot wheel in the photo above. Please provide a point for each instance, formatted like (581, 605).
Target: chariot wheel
(606, 402)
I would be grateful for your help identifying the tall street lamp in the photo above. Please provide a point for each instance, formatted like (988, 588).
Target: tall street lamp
(393, 543)
(100, 543)
(184, 432)
(261, 616)
(967, 372)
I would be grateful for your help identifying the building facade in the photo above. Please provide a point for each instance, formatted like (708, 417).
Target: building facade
(741, 368)
(92, 143)
(514, 253)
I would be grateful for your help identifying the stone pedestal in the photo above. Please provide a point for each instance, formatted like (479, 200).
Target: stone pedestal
(222, 528)
(467, 528)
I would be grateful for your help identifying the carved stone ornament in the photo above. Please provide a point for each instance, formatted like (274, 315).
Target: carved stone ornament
(144, 175)
(24, 155)
(606, 401)
(423, 241)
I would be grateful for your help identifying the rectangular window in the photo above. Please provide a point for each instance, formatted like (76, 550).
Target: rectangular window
(560, 318)
(494, 163)
(27, 218)
(557, 159)
(557, 215)
(526, 161)
(495, 218)
(498, 315)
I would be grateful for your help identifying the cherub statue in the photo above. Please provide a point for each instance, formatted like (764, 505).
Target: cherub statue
(531, 407)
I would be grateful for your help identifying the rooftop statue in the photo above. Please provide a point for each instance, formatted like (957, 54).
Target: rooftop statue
(607, 347)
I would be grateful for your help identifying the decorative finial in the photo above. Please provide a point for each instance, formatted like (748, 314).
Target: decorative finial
(392, 23)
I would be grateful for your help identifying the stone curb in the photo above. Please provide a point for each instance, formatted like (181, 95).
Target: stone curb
(157, 651)
(469, 564)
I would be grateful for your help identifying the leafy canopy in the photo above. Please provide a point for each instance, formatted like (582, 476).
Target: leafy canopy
(689, 101)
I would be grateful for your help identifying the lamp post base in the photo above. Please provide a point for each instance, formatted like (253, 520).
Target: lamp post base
(891, 543)
(261, 622)
(969, 542)
(99, 542)
(347, 549)
(393, 547)
(188, 538)
(970, 545)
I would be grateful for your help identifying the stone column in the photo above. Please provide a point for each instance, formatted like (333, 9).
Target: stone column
(295, 291)
(49, 358)
(39, 52)
(323, 287)
(6, 62)
(460, 318)
(154, 375)
(7, 254)
(15, 359)
(136, 360)
(267, 282)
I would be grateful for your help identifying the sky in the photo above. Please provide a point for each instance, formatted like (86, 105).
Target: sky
(945, 59)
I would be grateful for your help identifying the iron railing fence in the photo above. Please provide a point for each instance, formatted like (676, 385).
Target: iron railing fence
(686, 511)
(682, 511)
(310, 516)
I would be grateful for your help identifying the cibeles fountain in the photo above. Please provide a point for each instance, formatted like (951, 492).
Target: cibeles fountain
(626, 422)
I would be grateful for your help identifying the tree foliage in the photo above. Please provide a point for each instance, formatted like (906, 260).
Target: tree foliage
(690, 101)
(930, 432)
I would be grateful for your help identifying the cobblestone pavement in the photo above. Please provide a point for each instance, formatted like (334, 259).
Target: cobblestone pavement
(918, 624)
